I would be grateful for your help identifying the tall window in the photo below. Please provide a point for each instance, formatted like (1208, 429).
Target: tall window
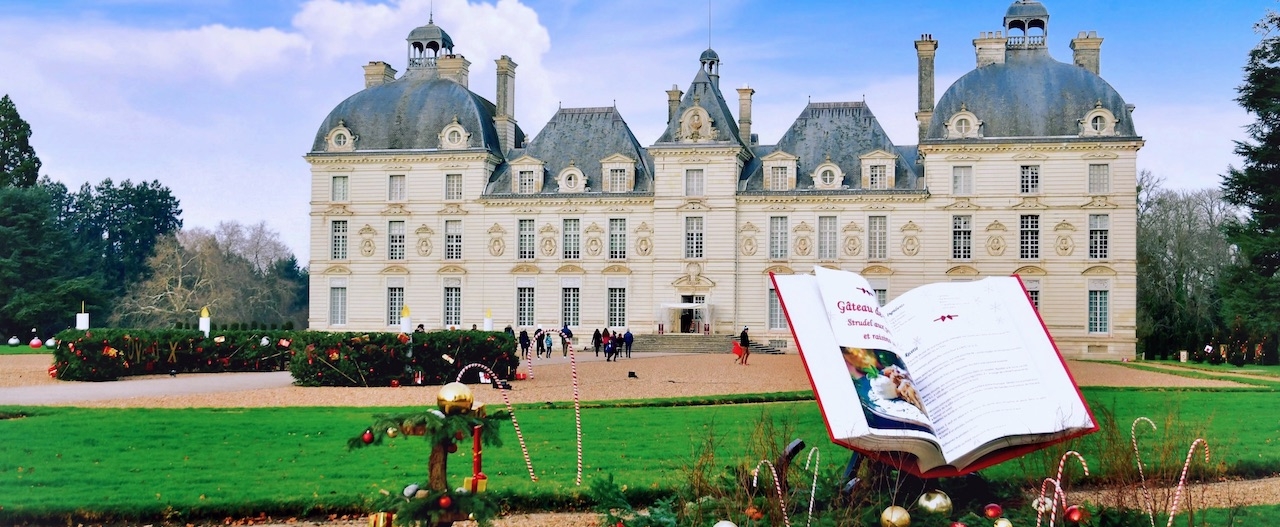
(1029, 179)
(1033, 291)
(524, 306)
(338, 191)
(453, 186)
(395, 188)
(524, 240)
(1029, 236)
(617, 238)
(570, 303)
(337, 306)
(453, 240)
(961, 237)
(1099, 179)
(882, 296)
(778, 178)
(526, 182)
(338, 240)
(962, 181)
(693, 237)
(827, 237)
(395, 240)
(572, 238)
(877, 237)
(617, 180)
(1099, 227)
(452, 306)
(395, 302)
(1099, 307)
(878, 179)
(693, 183)
(778, 237)
(617, 307)
(777, 319)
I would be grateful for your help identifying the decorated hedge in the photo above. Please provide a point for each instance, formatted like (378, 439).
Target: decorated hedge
(315, 358)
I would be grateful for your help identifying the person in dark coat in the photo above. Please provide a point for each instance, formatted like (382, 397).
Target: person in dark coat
(745, 342)
(524, 344)
(597, 341)
(540, 342)
(627, 339)
(565, 336)
(608, 345)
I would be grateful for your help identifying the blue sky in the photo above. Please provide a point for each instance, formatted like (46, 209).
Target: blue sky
(220, 99)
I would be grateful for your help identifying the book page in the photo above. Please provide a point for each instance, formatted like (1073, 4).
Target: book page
(884, 385)
(983, 364)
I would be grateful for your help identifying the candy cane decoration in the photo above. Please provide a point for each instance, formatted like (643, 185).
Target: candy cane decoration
(1063, 461)
(1182, 482)
(577, 412)
(1142, 477)
(777, 485)
(816, 458)
(507, 400)
(528, 358)
(1058, 497)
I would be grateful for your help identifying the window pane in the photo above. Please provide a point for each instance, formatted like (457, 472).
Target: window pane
(1099, 311)
(693, 184)
(1099, 232)
(337, 306)
(395, 301)
(339, 192)
(961, 237)
(395, 240)
(962, 181)
(524, 239)
(882, 296)
(878, 177)
(524, 306)
(1029, 237)
(1099, 179)
(778, 178)
(453, 240)
(572, 239)
(877, 237)
(693, 237)
(452, 306)
(777, 320)
(617, 238)
(827, 237)
(778, 237)
(453, 186)
(617, 180)
(395, 188)
(338, 240)
(526, 182)
(570, 301)
(617, 307)
(1030, 179)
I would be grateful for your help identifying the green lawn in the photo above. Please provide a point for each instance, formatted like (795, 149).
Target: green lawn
(149, 463)
(24, 349)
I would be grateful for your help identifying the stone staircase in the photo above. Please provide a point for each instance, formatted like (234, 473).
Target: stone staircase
(694, 343)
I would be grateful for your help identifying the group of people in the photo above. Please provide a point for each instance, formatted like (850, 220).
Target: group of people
(614, 344)
(543, 340)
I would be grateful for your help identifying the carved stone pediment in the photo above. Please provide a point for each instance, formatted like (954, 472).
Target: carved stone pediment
(687, 281)
(1030, 270)
(548, 230)
(1099, 270)
(693, 204)
(1064, 226)
(779, 269)
(452, 208)
(452, 269)
(616, 269)
(1030, 202)
(1099, 202)
(394, 269)
(367, 231)
(962, 270)
(571, 269)
(996, 226)
(338, 209)
(748, 227)
(876, 270)
(395, 209)
(424, 231)
(525, 268)
(594, 228)
(496, 230)
(337, 270)
(961, 204)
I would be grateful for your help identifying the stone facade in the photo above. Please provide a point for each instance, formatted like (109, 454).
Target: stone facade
(448, 210)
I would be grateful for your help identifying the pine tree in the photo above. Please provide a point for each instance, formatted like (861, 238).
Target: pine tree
(19, 166)
(1250, 288)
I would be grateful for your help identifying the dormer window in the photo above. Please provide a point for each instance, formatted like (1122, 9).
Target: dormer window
(1098, 122)
(571, 179)
(828, 176)
(526, 175)
(878, 170)
(340, 139)
(619, 173)
(877, 178)
(526, 182)
(454, 136)
(780, 171)
(964, 125)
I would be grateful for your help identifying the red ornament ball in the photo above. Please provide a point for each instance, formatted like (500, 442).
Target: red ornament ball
(453, 447)
(458, 435)
(445, 502)
(958, 524)
(367, 437)
(993, 511)
(1076, 514)
(395, 383)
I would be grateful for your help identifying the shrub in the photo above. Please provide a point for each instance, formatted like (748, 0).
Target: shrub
(378, 359)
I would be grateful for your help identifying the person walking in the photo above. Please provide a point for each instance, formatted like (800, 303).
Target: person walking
(538, 342)
(565, 336)
(608, 345)
(524, 344)
(597, 341)
(745, 342)
(546, 338)
(627, 339)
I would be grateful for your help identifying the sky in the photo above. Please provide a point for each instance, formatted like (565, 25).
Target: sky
(219, 100)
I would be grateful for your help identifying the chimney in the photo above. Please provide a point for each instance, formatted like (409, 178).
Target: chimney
(926, 48)
(744, 114)
(377, 73)
(673, 102)
(505, 118)
(1087, 51)
(989, 47)
(453, 67)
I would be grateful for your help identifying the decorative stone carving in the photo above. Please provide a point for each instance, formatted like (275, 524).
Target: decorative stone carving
(366, 247)
(548, 246)
(995, 245)
(910, 245)
(1065, 245)
(852, 245)
(803, 246)
(497, 246)
(749, 246)
(644, 246)
(594, 245)
(424, 246)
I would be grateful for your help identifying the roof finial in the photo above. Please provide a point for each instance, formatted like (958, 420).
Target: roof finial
(708, 24)
(431, 13)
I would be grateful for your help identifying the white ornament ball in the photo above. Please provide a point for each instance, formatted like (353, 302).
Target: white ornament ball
(725, 523)
(410, 490)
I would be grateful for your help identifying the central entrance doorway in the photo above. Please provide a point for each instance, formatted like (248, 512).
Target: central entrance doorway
(691, 319)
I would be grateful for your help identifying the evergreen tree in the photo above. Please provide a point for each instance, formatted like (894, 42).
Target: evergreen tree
(1250, 287)
(19, 166)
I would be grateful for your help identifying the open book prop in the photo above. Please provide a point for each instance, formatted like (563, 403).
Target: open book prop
(946, 379)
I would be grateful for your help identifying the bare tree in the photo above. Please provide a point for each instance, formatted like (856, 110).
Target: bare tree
(256, 243)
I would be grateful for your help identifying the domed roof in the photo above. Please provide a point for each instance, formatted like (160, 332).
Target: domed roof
(410, 113)
(1026, 9)
(709, 55)
(431, 32)
(1030, 95)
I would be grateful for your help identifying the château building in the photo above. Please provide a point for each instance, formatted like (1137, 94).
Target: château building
(431, 200)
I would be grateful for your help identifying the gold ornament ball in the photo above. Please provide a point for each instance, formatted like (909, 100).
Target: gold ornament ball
(895, 516)
(936, 502)
(393, 431)
(1004, 522)
(479, 410)
(454, 398)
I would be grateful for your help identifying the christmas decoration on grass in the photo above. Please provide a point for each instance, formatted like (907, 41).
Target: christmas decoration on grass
(895, 516)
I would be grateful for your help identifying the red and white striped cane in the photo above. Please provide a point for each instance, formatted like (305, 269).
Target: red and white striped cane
(577, 412)
(506, 400)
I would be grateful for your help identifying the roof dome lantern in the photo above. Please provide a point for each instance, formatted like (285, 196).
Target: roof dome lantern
(1027, 24)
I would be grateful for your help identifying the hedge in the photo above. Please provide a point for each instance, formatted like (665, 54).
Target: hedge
(314, 358)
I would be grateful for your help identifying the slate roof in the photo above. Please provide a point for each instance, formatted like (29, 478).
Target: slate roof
(410, 112)
(1030, 95)
(584, 136)
(845, 131)
(707, 94)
